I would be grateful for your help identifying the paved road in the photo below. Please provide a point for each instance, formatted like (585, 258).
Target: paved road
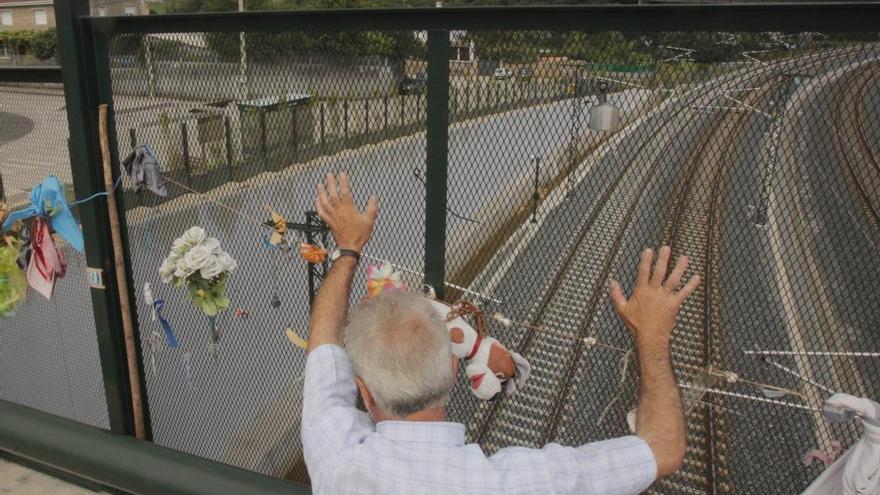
(14, 127)
(33, 139)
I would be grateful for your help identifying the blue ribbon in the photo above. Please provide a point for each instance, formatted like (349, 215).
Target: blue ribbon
(50, 194)
(158, 304)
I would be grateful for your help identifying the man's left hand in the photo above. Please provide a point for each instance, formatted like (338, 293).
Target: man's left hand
(351, 229)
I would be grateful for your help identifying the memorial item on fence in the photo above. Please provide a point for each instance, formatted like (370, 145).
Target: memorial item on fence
(49, 202)
(312, 253)
(47, 261)
(51, 212)
(279, 227)
(156, 305)
(13, 283)
(382, 278)
(854, 470)
(296, 339)
(489, 366)
(145, 170)
(200, 263)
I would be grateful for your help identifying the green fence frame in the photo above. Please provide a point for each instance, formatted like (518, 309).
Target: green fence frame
(118, 461)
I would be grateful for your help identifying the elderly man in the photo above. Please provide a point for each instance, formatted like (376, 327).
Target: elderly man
(397, 354)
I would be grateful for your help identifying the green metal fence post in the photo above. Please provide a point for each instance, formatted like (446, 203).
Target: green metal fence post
(81, 98)
(437, 135)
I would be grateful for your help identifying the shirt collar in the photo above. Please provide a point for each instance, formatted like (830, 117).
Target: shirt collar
(434, 432)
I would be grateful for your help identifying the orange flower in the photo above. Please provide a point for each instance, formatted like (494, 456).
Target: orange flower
(311, 253)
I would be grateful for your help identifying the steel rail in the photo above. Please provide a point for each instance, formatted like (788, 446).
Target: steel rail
(859, 116)
(567, 261)
(870, 210)
(678, 235)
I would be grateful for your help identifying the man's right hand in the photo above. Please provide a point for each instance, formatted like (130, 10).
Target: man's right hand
(351, 229)
(651, 310)
(650, 315)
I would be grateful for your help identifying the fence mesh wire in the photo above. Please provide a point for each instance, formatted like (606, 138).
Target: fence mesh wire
(754, 154)
(48, 348)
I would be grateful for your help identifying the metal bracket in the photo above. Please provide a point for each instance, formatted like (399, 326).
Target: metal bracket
(95, 277)
(315, 230)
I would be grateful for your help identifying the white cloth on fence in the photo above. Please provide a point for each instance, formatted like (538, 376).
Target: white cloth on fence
(857, 471)
(347, 454)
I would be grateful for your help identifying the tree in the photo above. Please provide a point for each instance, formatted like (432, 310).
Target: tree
(269, 47)
(44, 45)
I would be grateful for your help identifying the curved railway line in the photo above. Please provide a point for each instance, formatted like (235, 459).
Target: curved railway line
(536, 417)
(692, 229)
(859, 160)
(556, 338)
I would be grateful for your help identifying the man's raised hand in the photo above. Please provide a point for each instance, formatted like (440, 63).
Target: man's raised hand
(651, 310)
(335, 204)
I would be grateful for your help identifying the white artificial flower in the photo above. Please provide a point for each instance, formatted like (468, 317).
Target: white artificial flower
(179, 246)
(227, 261)
(194, 236)
(212, 268)
(212, 245)
(195, 258)
(183, 270)
(166, 271)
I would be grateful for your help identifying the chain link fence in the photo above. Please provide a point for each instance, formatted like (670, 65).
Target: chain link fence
(755, 154)
(48, 348)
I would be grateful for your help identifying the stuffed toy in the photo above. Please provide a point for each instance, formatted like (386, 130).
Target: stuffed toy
(489, 366)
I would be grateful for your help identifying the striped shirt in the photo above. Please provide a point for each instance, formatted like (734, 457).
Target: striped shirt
(347, 454)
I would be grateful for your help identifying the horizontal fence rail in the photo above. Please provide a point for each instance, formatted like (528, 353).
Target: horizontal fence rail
(30, 74)
(124, 463)
(839, 17)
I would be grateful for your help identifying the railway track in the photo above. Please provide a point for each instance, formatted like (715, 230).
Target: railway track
(857, 155)
(692, 229)
(538, 414)
(542, 412)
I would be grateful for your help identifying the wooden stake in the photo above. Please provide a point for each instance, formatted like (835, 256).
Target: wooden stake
(121, 280)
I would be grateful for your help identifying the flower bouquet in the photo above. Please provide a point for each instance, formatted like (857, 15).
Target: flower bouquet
(199, 263)
(13, 284)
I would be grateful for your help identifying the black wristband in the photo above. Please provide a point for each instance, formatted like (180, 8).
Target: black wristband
(348, 252)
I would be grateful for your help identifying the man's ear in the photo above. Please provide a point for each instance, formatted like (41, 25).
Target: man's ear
(369, 402)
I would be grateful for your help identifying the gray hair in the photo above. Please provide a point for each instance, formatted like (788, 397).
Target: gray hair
(400, 348)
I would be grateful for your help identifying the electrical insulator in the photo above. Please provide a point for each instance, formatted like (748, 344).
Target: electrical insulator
(604, 116)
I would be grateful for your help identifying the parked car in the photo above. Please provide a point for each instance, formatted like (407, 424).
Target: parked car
(502, 73)
(411, 85)
(525, 73)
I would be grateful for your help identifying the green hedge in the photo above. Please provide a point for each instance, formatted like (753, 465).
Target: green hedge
(41, 44)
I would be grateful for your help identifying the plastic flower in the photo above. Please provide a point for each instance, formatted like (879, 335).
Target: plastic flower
(382, 278)
(195, 258)
(211, 268)
(199, 263)
(194, 236)
(166, 271)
